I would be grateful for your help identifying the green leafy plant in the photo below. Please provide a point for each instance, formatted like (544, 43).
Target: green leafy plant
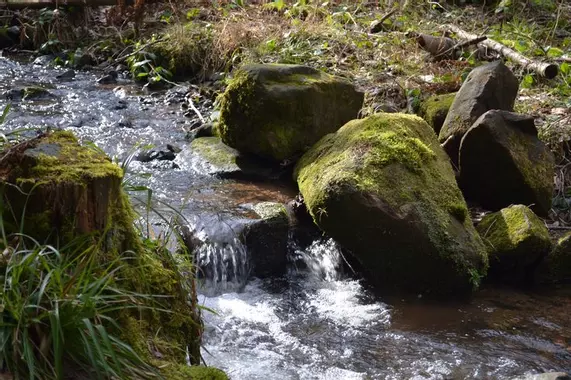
(143, 67)
(58, 312)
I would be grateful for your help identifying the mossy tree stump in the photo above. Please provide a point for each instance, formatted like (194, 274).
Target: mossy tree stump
(57, 191)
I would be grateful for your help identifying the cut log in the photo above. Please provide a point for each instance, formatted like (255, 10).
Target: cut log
(545, 69)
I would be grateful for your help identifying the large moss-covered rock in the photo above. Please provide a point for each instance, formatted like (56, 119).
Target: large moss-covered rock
(435, 108)
(503, 162)
(489, 87)
(266, 240)
(57, 191)
(279, 111)
(558, 262)
(216, 158)
(384, 189)
(516, 239)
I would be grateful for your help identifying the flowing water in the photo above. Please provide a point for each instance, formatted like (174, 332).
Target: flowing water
(316, 322)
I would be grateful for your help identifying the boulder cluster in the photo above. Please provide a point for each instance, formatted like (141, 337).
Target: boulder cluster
(391, 188)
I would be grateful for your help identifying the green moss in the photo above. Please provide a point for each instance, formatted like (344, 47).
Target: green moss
(35, 92)
(394, 164)
(184, 372)
(73, 162)
(267, 210)
(513, 229)
(559, 260)
(279, 111)
(215, 152)
(361, 150)
(435, 108)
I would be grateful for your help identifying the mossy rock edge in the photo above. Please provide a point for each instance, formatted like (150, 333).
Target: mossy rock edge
(278, 112)
(384, 189)
(516, 240)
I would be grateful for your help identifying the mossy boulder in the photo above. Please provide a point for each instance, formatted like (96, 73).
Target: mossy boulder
(279, 111)
(488, 87)
(218, 159)
(384, 189)
(68, 193)
(503, 162)
(435, 108)
(558, 261)
(266, 240)
(516, 239)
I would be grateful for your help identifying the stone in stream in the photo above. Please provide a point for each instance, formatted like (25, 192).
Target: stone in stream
(384, 189)
(488, 87)
(517, 240)
(557, 266)
(9, 36)
(435, 108)
(28, 93)
(266, 240)
(220, 160)
(503, 162)
(277, 112)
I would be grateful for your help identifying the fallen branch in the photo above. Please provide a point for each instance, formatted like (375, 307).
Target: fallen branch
(377, 26)
(545, 69)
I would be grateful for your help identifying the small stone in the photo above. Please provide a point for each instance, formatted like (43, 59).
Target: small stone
(109, 78)
(68, 74)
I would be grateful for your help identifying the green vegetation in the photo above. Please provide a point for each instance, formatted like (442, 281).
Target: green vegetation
(83, 292)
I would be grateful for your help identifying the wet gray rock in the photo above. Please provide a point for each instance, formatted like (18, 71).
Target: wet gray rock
(489, 87)
(159, 155)
(218, 159)
(66, 75)
(266, 240)
(9, 36)
(44, 60)
(109, 78)
(205, 130)
(503, 162)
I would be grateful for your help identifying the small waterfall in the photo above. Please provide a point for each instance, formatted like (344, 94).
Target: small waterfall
(322, 259)
(224, 267)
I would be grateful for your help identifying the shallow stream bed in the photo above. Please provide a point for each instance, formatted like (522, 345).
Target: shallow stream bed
(313, 323)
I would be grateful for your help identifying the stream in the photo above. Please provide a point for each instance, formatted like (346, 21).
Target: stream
(316, 322)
